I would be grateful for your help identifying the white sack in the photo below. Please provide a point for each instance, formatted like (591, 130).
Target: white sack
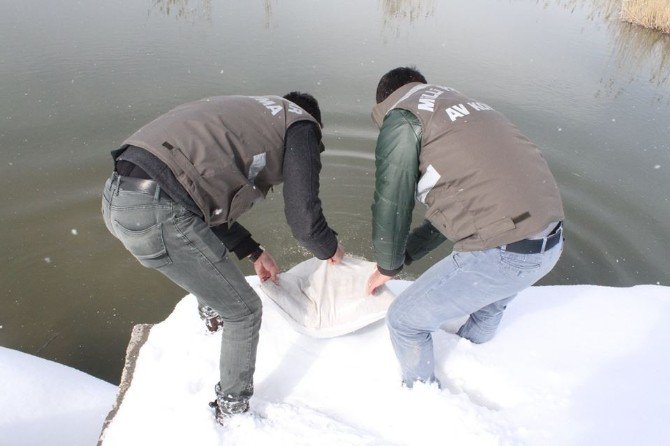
(324, 300)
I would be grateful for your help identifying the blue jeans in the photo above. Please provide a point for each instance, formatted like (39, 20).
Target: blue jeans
(479, 284)
(163, 235)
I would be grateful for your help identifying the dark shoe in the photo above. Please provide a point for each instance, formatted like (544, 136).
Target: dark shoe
(226, 407)
(213, 321)
(222, 416)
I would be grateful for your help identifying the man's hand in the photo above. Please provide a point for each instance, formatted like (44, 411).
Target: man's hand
(337, 257)
(266, 268)
(376, 280)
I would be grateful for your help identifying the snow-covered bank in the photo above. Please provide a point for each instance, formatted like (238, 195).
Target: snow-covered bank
(571, 365)
(46, 403)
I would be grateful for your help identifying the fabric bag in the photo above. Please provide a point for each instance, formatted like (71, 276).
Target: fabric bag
(324, 300)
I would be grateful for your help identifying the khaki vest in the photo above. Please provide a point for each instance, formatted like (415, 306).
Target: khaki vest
(227, 151)
(485, 184)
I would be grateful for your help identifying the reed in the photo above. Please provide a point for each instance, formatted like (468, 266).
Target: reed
(648, 13)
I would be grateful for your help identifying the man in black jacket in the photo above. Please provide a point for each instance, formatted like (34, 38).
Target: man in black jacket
(181, 182)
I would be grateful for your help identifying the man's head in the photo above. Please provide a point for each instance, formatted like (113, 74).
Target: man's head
(307, 102)
(395, 79)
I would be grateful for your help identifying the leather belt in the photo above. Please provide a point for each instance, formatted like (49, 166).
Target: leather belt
(536, 246)
(135, 184)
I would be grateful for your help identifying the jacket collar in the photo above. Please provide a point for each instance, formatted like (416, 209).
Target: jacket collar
(380, 110)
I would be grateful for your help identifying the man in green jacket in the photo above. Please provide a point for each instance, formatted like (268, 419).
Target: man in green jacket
(486, 187)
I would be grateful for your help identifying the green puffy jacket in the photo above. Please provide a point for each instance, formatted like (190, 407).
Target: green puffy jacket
(397, 173)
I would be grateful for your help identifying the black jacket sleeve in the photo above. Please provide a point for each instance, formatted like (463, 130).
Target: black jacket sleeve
(302, 206)
(236, 238)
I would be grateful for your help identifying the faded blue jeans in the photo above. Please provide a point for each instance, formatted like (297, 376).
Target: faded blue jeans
(479, 284)
(163, 235)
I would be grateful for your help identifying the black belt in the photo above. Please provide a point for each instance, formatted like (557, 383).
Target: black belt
(135, 184)
(536, 246)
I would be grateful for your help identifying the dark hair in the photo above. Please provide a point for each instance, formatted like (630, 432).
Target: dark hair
(307, 102)
(395, 79)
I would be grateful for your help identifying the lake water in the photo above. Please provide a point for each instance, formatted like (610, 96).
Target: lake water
(78, 77)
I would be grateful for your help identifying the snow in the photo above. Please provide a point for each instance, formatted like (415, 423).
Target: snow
(46, 403)
(571, 365)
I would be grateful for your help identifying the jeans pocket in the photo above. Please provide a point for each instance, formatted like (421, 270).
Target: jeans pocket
(519, 264)
(106, 214)
(147, 245)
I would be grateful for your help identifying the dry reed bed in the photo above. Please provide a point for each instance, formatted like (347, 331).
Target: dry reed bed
(648, 13)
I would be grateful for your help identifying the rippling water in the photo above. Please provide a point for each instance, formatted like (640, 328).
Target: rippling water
(77, 77)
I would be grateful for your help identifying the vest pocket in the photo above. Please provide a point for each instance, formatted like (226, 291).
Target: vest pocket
(146, 245)
(242, 201)
(496, 228)
(438, 220)
(455, 222)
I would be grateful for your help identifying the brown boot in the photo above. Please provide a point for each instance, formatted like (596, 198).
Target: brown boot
(213, 321)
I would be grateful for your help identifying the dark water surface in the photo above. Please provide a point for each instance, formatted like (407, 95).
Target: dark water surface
(77, 77)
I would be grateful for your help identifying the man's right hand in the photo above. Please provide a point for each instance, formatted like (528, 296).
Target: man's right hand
(338, 256)
(266, 268)
(376, 280)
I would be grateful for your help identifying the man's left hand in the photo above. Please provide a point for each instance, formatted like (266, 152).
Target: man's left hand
(338, 256)
(376, 280)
